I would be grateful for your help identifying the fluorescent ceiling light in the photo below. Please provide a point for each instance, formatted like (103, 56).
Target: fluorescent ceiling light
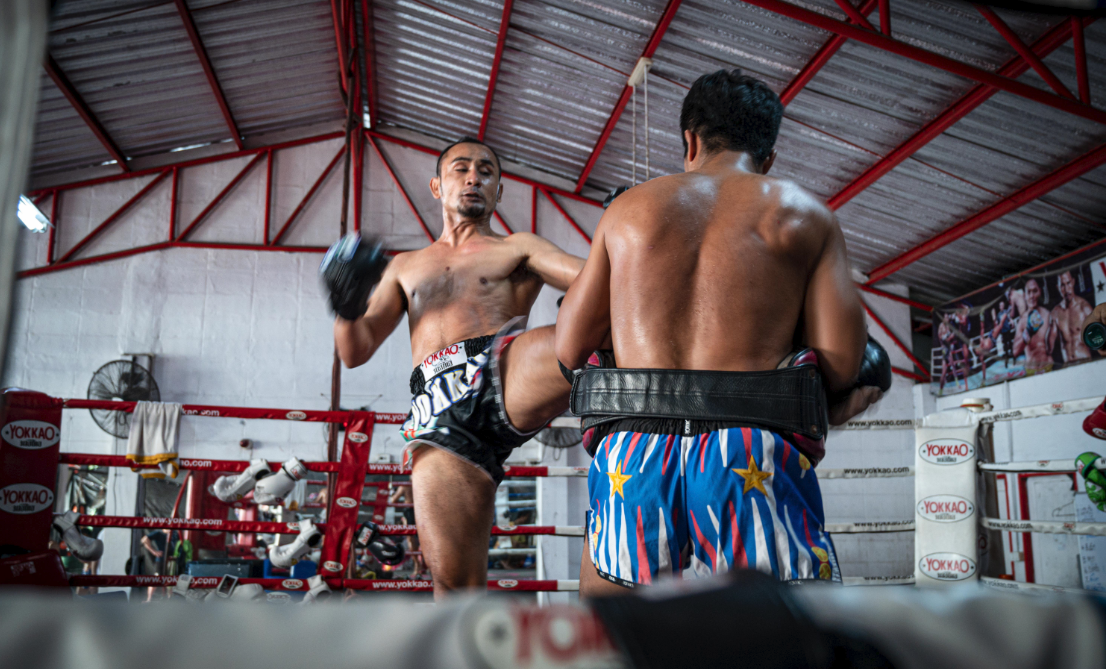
(31, 216)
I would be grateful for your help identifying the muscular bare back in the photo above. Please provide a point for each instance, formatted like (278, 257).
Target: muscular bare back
(721, 268)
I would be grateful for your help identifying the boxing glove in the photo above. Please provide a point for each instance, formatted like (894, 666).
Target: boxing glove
(350, 269)
(383, 548)
(1095, 424)
(273, 489)
(230, 489)
(1094, 336)
(318, 590)
(289, 554)
(1092, 467)
(247, 592)
(84, 548)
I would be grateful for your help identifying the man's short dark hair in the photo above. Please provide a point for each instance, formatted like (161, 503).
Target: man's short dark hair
(731, 111)
(468, 140)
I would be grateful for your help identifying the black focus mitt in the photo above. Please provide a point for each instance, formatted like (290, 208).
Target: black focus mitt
(875, 367)
(350, 269)
(383, 548)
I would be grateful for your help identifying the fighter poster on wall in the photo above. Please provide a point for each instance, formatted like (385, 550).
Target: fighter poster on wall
(1026, 324)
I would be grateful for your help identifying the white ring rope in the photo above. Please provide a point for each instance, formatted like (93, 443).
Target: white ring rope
(1046, 526)
(877, 580)
(870, 527)
(1058, 466)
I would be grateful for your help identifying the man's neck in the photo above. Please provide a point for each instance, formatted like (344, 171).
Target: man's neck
(456, 229)
(734, 161)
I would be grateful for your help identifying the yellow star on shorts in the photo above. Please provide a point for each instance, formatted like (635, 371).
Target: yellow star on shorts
(754, 478)
(618, 479)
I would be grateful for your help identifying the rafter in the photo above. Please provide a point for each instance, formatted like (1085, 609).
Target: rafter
(399, 186)
(1025, 52)
(219, 198)
(501, 41)
(818, 61)
(650, 49)
(114, 216)
(307, 196)
(1015, 67)
(81, 107)
(917, 54)
(370, 60)
(885, 17)
(209, 71)
(1023, 196)
(1079, 46)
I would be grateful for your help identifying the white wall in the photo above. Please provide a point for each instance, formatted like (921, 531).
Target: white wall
(251, 328)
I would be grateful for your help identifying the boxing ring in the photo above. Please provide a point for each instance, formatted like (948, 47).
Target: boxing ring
(342, 519)
(974, 422)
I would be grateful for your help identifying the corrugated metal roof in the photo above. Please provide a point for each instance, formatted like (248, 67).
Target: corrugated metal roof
(563, 69)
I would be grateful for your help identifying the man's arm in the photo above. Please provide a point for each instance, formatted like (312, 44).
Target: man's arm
(832, 313)
(544, 258)
(1019, 336)
(584, 321)
(356, 341)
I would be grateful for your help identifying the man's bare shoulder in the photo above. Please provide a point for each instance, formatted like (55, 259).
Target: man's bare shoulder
(798, 201)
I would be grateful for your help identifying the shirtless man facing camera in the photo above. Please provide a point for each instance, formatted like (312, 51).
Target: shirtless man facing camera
(481, 385)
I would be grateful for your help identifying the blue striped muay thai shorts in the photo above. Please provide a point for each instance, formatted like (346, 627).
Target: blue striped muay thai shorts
(704, 501)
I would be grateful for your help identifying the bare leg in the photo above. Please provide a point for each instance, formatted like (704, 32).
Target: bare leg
(534, 390)
(594, 585)
(454, 507)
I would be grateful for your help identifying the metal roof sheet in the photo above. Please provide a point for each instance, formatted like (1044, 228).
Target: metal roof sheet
(563, 69)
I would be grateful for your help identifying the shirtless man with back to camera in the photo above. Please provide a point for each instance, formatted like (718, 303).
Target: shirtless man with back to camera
(724, 291)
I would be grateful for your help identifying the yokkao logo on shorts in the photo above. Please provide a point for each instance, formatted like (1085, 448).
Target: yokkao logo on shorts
(333, 566)
(947, 566)
(507, 583)
(945, 508)
(946, 451)
(24, 498)
(295, 415)
(293, 527)
(346, 502)
(291, 584)
(30, 434)
(358, 437)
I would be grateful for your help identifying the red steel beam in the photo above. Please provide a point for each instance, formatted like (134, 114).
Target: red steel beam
(1024, 51)
(500, 42)
(1079, 45)
(370, 61)
(60, 265)
(885, 17)
(268, 197)
(358, 177)
(209, 71)
(854, 15)
(113, 217)
(219, 198)
(307, 197)
(402, 190)
(896, 298)
(650, 49)
(191, 163)
(51, 241)
(898, 342)
(1015, 67)
(341, 46)
(503, 222)
(820, 59)
(564, 213)
(1042, 186)
(950, 65)
(175, 186)
(70, 92)
(534, 210)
